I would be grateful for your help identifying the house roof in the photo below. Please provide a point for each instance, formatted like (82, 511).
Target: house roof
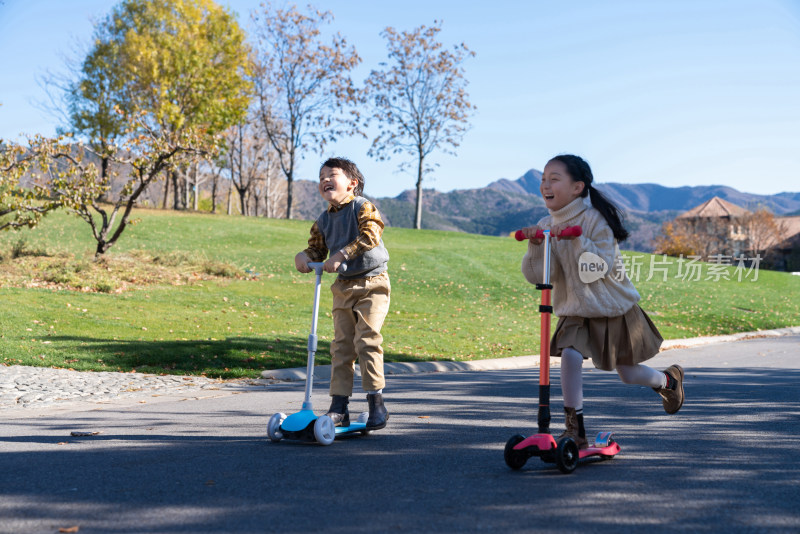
(716, 207)
(789, 228)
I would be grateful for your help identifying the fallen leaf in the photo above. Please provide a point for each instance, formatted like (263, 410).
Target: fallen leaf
(424, 417)
(76, 528)
(83, 434)
(63, 443)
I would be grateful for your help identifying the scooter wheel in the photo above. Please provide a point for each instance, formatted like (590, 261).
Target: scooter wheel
(567, 455)
(274, 427)
(514, 459)
(324, 430)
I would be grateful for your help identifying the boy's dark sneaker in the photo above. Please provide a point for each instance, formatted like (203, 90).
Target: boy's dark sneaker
(338, 411)
(377, 412)
(672, 395)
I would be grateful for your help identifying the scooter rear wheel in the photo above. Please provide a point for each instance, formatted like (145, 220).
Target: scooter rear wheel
(514, 459)
(567, 455)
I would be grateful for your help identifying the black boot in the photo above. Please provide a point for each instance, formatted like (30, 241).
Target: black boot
(338, 411)
(377, 412)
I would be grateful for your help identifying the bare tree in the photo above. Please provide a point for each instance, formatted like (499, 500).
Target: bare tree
(247, 151)
(269, 189)
(303, 86)
(274, 187)
(212, 169)
(419, 99)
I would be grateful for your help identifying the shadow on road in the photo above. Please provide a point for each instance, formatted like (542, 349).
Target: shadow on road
(728, 461)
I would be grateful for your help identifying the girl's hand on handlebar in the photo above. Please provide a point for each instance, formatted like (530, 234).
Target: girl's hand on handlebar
(556, 230)
(530, 233)
(333, 263)
(301, 263)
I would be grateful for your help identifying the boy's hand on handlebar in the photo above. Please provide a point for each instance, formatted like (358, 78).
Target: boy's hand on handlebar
(301, 263)
(332, 264)
(530, 233)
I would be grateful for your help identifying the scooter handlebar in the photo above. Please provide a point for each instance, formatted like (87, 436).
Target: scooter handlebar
(317, 266)
(570, 231)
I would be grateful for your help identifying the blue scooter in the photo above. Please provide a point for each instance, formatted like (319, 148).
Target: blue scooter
(305, 425)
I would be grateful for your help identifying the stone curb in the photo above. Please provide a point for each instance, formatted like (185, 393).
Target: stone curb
(323, 372)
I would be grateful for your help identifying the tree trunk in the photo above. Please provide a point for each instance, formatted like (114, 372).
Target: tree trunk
(230, 198)
(166, 193)
(195, 188)
(188, 185)
(418, 211)
(214, 194)
(176, 198)
(290, 186)
(243, 201)
(268, 193)
(103, 176)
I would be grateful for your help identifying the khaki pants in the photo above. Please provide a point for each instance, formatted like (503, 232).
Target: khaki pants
(359, 308)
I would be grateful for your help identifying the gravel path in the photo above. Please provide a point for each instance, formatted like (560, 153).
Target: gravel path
(29, 387)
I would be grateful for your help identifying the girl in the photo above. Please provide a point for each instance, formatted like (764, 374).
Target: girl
(600, 319)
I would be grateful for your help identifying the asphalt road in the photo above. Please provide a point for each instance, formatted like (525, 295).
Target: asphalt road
(727, 462)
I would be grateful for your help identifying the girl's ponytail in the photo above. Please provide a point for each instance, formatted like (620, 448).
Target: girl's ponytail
(610, 213)
(580, 171)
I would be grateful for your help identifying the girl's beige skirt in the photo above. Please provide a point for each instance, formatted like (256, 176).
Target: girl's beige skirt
(609, 341)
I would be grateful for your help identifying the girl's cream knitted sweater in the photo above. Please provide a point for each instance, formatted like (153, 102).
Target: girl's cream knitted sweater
(610, 296)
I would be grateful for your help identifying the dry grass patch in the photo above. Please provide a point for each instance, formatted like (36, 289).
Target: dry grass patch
(115, 273)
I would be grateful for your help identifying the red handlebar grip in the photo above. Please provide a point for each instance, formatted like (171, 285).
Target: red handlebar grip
(570, 231)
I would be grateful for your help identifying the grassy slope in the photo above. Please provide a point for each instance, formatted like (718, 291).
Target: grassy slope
(455, 296)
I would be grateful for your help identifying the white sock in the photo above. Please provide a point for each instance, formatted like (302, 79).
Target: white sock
(374, 392)
(642, 375)
(572, 378)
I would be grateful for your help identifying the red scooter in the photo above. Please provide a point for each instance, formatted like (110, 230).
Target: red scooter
(564, 453)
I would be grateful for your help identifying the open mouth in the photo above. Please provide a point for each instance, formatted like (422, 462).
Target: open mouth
(327, 187)
(549, 197)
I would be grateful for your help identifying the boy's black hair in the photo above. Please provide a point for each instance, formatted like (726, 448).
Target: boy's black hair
(349, 169)
(579, 170)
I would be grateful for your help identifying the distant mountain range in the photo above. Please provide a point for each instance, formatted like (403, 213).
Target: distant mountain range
(505, 205)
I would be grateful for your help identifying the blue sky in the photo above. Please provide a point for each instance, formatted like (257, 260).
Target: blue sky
(674, 92)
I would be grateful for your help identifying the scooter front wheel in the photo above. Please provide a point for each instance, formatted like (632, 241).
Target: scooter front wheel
(274, 427)
(567, 455)
(324, 430)
(514, 459)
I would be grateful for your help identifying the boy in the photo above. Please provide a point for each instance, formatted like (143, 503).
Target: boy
(351, 230)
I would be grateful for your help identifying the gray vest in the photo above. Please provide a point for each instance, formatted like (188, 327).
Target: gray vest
(340, 228)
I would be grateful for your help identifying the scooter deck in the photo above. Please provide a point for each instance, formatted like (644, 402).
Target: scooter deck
(300, 426)
(354, 428)
(544, 445)
(358, 426)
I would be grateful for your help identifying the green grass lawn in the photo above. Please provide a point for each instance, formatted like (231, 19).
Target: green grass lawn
(454, 297)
